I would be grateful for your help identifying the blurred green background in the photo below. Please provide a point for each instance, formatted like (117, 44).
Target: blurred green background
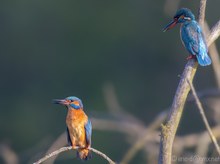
(54, 49)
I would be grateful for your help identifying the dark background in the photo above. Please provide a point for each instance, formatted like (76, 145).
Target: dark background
(54, 49)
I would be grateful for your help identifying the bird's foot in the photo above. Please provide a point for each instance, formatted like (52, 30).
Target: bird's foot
(191, 57)
(75, 147)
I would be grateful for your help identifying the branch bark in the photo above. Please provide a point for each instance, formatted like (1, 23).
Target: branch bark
(202, 12)
(214, 33)
(214, 52)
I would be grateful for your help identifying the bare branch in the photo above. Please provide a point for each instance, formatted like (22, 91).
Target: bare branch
(215, 62)
(193, 140)
(168, 131)
(214, 33)
(214, 55)
(208, 93)
(70, 148)
(201, 110)
(202, 12)
(102, 155)
(188, 140)
(8, 155)
(53, 154)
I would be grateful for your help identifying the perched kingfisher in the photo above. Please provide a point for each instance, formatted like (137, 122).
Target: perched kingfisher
(79, 127)
(191, 36)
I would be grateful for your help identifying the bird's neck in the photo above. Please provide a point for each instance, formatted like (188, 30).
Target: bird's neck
(188, 22)
(72, 107)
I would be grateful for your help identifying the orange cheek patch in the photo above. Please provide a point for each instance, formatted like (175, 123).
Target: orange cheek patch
(76, 103)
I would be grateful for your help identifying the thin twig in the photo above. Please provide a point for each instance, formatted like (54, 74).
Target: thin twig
(202, 12)
(201, 110)
(214, 33)
(70, 148)
(103, 155)
(140, 143)
(53, 154)
(215, 62)
(208, 93)
(193, 140)
(214, 56)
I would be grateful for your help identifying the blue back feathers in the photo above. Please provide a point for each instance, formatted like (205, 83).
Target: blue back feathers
(88, 129)
(194, 42)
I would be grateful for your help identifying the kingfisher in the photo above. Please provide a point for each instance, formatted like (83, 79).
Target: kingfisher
(79, 127)
(191, 36)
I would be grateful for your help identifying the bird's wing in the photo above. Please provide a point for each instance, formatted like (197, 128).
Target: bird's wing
(68, 137)
(195, 39)
(88, 129)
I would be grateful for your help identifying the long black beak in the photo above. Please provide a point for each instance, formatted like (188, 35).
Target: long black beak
(60, 101)
(170, 25)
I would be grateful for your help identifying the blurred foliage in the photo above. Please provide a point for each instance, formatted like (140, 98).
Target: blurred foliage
(53, 49)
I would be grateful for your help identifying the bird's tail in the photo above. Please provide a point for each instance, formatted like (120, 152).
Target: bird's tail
(84, 154)
(204, 59)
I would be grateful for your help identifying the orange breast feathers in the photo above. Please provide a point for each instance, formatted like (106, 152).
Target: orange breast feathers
(76, 120)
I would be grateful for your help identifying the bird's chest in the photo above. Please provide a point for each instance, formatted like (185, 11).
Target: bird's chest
(183, 35)
(187, 34)
(75, 121)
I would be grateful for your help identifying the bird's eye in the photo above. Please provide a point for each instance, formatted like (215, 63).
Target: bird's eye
(69, 101)
(181, 17)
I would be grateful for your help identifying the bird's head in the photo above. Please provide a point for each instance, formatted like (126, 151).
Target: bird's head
(71, 102)
(181, 16)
